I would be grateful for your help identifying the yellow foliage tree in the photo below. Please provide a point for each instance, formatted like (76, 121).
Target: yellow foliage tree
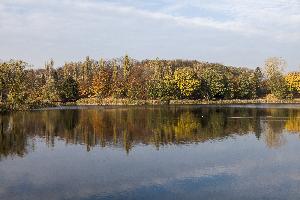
(101, 82)
(187, 81)
(293, 81)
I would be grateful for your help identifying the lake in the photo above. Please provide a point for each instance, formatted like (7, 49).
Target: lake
(151, 152)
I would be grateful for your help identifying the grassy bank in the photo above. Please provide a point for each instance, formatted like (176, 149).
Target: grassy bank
(6, 108)
(109, 101)
(130, 102)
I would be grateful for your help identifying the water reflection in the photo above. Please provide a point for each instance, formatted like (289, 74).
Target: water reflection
(157, 126)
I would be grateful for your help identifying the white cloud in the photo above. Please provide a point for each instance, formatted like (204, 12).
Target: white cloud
(66, 29)
(248, 17)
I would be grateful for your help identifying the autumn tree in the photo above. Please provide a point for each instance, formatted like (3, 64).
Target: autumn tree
(187, 82)
(155, 84)
(162, 84)
(146, 79)
(213, 83)
(12, 84)
(115, 83)
(126, 66)
(122, 84)
(169, 89)
(136, 83)
(35, 82)
(86, 77)
(101, 80)
(50, 90)
(293, 82)
(246, 85)
(275, 78)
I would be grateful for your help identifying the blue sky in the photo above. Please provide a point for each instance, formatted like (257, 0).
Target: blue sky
(232, 32)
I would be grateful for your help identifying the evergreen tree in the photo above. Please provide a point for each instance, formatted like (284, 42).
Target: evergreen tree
(258, 78)
(69, 89)
(126, 66)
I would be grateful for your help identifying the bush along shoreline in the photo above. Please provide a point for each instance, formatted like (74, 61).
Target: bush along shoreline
(126, 81)
(124, 102)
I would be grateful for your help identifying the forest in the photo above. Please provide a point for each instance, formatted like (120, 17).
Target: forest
(24, 87)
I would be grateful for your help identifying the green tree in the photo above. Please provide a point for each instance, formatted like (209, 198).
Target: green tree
(122, 84)
(13, 91)
(69, 89)
(49, 90)
(246, 85)
(155, 84)
(164, 88)
(258, 78)
(214, 83)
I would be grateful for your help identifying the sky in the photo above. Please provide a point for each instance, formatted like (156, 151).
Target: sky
(232, 32)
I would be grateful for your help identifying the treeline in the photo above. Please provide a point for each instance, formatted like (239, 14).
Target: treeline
(23, 88)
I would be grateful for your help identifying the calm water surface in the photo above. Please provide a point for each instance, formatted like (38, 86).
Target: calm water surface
(163, 152)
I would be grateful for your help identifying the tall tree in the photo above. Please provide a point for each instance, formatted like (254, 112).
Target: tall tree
(101, 80)
(85, 80)
(49, 90)
(259, 78)
(126, 66)
(275, 78)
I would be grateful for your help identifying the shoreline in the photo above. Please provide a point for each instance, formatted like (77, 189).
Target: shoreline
(130, 102)
(95, 101)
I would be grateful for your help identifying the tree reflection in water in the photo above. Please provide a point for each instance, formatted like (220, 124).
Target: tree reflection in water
(158, 126)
